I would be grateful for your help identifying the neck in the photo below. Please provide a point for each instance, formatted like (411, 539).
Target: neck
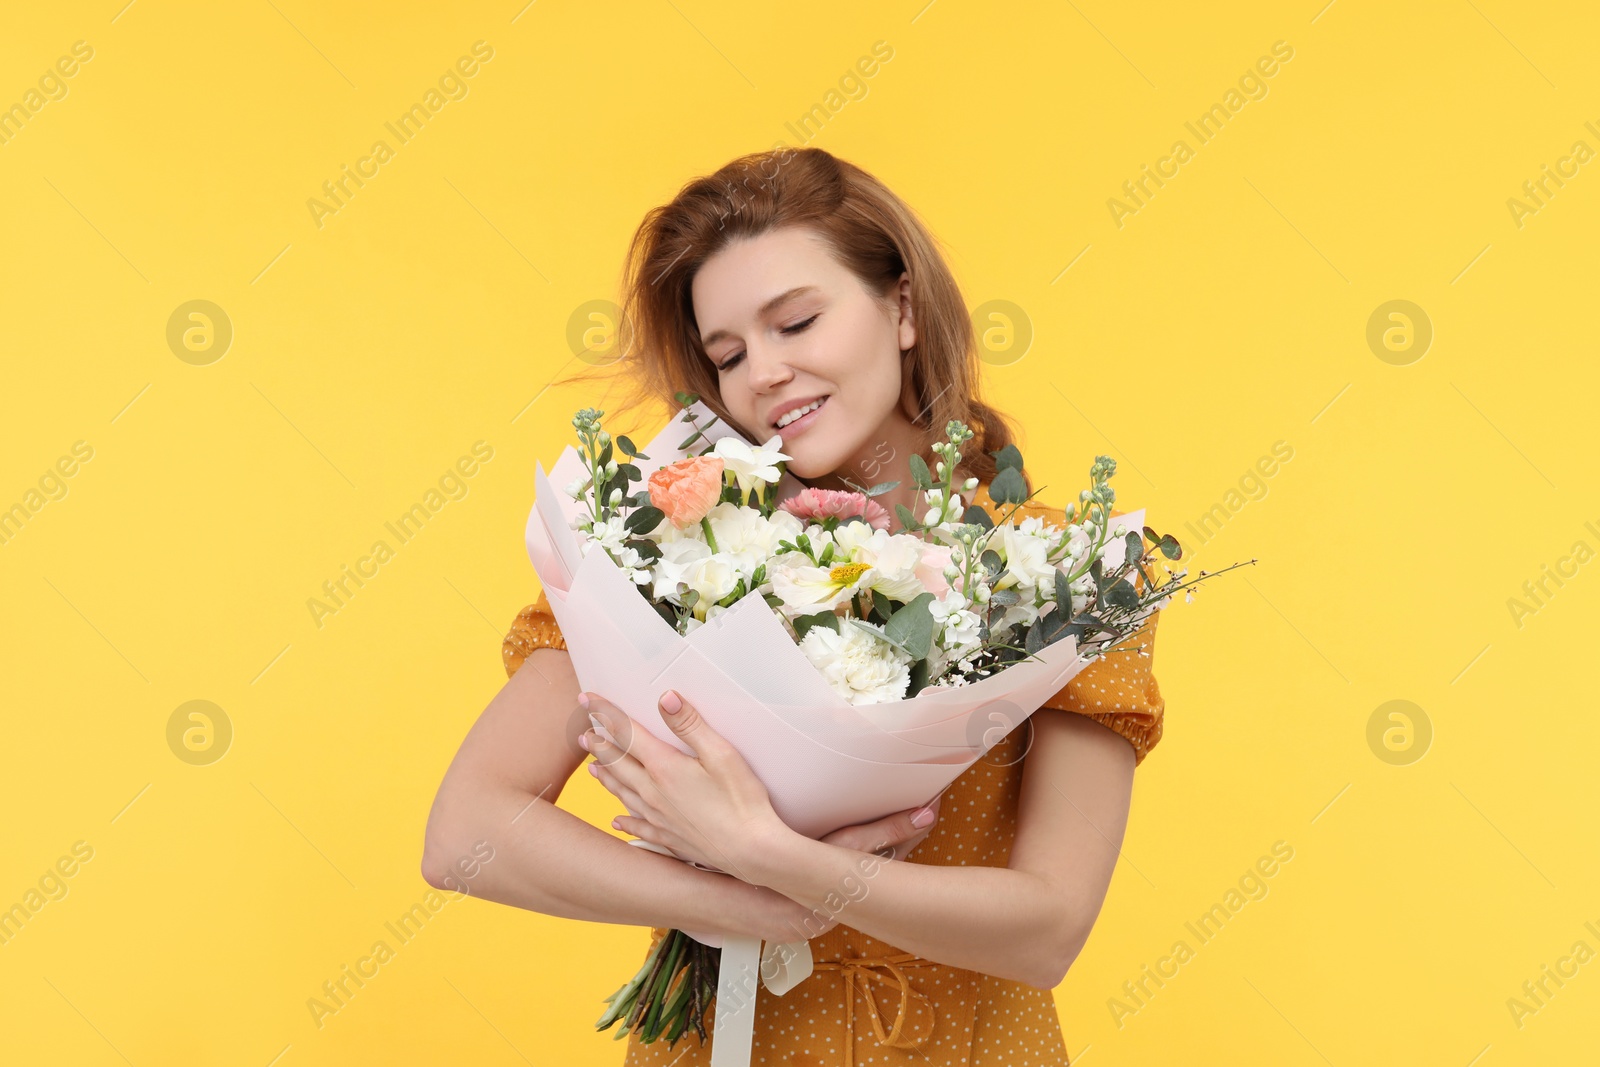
(885, 458)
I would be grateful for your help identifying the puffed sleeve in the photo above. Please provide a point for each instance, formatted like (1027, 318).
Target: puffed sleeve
(534, 627)
(1119, 689)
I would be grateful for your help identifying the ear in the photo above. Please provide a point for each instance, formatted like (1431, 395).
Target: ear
(908, 325)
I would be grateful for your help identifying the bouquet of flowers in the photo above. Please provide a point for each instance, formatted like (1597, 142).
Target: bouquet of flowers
(778, 611)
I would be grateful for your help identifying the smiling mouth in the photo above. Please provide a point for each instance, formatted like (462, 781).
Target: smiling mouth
(795, 415)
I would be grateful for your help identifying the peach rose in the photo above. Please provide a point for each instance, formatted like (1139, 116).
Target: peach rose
(687, 489)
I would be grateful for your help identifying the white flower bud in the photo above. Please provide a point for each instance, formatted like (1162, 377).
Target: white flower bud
(970, 485)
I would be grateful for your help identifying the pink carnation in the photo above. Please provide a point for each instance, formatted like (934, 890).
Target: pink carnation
(819, 504)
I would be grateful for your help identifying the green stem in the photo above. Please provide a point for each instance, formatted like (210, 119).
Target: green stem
(711, 538)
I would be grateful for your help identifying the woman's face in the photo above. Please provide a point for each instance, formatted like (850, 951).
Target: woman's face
(785, 324)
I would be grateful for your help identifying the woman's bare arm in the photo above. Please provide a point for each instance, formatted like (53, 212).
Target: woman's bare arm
(1027, 921)
(501, 789)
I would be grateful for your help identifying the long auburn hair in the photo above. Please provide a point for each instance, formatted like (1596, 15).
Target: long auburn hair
(870, 230)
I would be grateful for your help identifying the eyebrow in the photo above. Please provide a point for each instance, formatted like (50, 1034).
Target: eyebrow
(799, 290)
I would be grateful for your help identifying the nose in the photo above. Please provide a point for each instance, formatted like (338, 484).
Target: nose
(768, 370)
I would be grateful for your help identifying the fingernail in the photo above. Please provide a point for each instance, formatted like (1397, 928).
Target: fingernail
(583, 740)
(671, 703)
(616, 824)
(583, 700)
(594, 769)
(922, 818)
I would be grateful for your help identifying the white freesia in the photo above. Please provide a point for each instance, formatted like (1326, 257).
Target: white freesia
(858, 666)
(749, 464)
(1025, 548)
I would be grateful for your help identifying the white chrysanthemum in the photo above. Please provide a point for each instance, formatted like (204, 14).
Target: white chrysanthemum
(858, 666)
(749, 464)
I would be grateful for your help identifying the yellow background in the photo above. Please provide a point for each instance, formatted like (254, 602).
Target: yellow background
(433, 309)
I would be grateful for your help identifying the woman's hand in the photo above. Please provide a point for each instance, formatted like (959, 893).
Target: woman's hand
(891, 837)
(709, 808)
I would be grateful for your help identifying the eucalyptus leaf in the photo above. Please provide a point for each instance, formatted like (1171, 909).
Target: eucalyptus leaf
(1008, 458)
(881, 634)
(804, 623)
(912, 626)
(977, 517)
(908, 521)
(1034, 642)
(920, 474)
(1121, 595)
(1008, 487)
(626, 446)
(919, 678)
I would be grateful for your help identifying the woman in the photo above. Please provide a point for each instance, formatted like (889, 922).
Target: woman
(793, 281)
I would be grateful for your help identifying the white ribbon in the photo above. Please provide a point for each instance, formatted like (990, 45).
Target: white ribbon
(780, 967)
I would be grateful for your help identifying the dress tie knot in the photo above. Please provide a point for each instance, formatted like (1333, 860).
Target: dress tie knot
(908, 1030)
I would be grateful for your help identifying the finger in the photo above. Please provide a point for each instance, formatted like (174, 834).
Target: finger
(889, 830)
(630, 797)
(640, 828)
(618, 771)
(899, 829)
(685, 720)
(627, 738)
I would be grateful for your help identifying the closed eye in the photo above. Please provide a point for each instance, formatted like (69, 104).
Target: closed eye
(798, 327)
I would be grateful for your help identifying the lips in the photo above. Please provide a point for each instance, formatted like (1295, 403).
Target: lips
(793, 405)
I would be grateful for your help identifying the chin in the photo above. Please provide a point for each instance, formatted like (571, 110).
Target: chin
(811, 462)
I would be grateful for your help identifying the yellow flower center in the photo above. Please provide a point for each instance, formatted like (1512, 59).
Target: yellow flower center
(847, 573)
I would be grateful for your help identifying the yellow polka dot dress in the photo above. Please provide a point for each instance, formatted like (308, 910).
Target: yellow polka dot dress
(866, 1002)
